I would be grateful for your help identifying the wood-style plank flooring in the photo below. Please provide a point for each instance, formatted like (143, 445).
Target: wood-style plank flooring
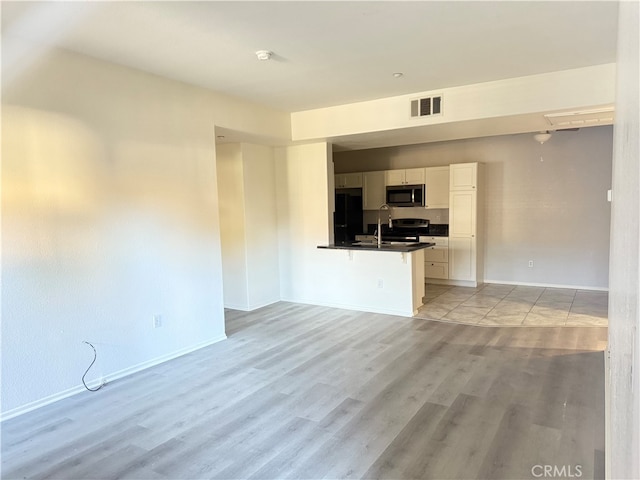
(309, 392)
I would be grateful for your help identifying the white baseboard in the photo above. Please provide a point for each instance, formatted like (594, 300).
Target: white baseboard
(250, 307)
(358, 308)
(548, 285)
(453, 283)
(255, 306)
(236, 306)
(14, 412)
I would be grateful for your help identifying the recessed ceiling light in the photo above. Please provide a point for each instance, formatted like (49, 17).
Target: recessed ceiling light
(264, 54)
(398, 74)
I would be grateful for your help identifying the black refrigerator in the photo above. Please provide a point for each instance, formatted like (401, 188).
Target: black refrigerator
(347, 219)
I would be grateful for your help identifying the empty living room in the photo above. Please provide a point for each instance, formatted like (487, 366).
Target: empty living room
(320, 240)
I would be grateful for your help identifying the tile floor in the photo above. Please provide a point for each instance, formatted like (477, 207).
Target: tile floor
(504, 305)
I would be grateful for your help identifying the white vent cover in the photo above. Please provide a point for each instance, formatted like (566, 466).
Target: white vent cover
(582, 118)
(426, 107)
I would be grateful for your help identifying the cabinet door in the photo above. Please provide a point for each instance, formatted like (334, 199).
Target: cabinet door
(462, 258)
(373, 190)
(436, 254)
(462, 214)
(414, 176)
(436, 270)
(348, 180)
(395, 177)
(463, 176)
(437, 186)
(353, 180)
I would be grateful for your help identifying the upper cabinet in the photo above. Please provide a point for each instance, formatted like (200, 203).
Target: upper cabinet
(348, 180)
(463, 176)
(373, 190)
(437, 187)
(410, 176)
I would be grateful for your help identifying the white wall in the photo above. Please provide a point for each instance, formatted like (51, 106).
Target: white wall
(623, 461)
(337, 278)
(303, 173)
(564, 90)
(261, 225)
(554, 212)
(109, 217)
(248, 223)
(231, 205)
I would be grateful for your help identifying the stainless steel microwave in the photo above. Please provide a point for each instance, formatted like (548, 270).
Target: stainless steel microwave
(405, 196)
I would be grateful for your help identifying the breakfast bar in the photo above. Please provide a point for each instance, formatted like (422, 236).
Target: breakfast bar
(386, 278)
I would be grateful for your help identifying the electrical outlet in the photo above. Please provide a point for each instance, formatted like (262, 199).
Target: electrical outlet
(530, 263)
(157, 321)
(380, 283)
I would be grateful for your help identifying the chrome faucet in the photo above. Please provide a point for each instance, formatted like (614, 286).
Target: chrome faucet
(384, 206)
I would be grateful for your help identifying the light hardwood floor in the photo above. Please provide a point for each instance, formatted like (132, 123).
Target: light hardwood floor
(310, 392)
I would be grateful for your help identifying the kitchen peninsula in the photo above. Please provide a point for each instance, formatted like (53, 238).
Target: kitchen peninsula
(387, 278)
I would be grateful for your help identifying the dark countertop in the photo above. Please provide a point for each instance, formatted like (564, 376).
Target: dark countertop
(386, 247)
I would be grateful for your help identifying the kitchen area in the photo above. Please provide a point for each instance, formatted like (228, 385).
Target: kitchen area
(512, 219)
(427, 216)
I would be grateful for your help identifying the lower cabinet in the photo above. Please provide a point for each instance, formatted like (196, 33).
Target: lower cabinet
(462, 258)
(436, 270)
(436, 258)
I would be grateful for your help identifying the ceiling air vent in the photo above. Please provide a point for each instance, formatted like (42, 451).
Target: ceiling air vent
(581, 118)
(426, 107)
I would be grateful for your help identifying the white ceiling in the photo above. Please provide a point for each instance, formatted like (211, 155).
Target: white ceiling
(328, 52)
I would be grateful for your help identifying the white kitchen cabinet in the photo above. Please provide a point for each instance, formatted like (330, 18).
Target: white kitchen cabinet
(465, 259)
(462, 258)
(437, 270)
(409, 176)
(462, 214)
(436, 258)
(463, 176)
(373, 190)
(348, 180)
(437, 254)
(414, 176)
(437, 187)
